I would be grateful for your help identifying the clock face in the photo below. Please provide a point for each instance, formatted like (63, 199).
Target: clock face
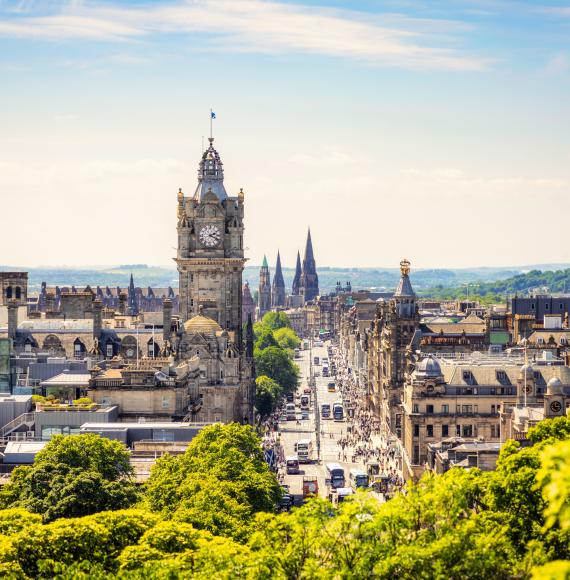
(555, 406)
(210, 236)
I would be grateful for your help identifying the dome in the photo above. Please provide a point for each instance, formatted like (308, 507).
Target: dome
(554, 387)
(201, 324)
(428, 368)
(527, 369)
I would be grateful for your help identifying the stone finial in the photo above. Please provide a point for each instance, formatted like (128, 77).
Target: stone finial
(405, 267)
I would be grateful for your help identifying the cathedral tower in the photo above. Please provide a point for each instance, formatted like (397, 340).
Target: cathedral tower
(210, 255)
(264, 293)
(278, 289)
(309, 278)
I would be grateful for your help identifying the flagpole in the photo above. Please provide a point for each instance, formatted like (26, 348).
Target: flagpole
(211, 124)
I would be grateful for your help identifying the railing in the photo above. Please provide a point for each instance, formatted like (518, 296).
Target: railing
(25, 418)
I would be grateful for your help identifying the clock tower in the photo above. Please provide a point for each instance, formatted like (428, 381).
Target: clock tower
(210, 254)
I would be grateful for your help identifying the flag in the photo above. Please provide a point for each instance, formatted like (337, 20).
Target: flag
(212, 114)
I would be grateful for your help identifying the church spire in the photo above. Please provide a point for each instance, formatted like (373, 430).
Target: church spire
(264, 291)
(309, 278)
(278, 288)
(132, 298)
(296, 288)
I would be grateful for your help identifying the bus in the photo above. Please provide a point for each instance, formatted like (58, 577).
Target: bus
(292, 464)
(305, 400)
(335, 474)
(338, 411)
(358, 478)
(304, 449)
(331, 387)
(325, 411)
(290, 412)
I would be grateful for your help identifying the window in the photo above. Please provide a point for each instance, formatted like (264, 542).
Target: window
(467, 431)
(9, 292)
(165, 402)
(415, 408)
(429, 409)
(18, 293)
(429, 430)
(493, 409)
(495, 431)
(445, 408)
(445, 430)
(191, 277)
(467, 409)
(109, 349)
(532, 306)
(416, 430)
(546, 306)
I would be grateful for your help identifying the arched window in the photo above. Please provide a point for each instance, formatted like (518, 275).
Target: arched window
(78, 348)
(9, 292)
(52, 344)
(18, 293)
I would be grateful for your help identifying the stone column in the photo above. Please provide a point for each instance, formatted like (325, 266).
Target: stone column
(12, 318)
(166, 318)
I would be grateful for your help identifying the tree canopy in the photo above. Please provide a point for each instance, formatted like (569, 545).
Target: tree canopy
(73, 476)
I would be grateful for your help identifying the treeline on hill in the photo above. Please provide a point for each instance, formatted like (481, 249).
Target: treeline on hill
(209, 513)
(277, 374)
(496, 292)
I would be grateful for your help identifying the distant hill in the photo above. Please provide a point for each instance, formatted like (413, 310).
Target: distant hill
(427, 281)
(533, 282)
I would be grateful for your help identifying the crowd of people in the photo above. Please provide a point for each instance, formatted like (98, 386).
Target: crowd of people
(364, 441)
(361, 441)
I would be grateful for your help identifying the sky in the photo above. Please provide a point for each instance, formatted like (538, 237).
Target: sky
(437, 131)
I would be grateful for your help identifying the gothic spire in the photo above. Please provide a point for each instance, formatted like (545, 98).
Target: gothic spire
(278, 298)
(309, 278)
(132, 298)
(295, 290)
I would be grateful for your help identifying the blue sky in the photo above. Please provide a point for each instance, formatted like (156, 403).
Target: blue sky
(437, 131)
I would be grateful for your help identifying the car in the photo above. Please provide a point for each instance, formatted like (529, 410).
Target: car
(304, 415)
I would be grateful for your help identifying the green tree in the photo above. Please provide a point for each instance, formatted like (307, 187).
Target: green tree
(73, 476)
(276, 364)
(286, 338)
(275, 320)
(265, 339)
(550, 430)
(217, 484)
(267, 395)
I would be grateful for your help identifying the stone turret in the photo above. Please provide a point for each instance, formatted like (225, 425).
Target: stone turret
(248, 305)
(278, 289)
(309, 278)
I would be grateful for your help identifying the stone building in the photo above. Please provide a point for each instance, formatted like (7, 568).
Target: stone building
(264, 292)
(194, 367)
(278, 294)
(475, 397)
(210, 256)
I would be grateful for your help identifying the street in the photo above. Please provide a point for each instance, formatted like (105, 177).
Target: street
(360, 443)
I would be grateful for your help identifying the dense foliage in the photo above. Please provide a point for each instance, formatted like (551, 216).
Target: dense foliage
(277, 374)
(73, 476)
(209, 514)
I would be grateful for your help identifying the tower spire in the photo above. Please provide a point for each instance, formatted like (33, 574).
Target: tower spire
(295, 289)
(278, 288)
(309, 278)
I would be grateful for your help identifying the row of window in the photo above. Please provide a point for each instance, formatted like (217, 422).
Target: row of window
(430, 409)
(460, 431)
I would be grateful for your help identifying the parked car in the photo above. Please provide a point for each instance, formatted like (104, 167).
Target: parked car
(304, 415)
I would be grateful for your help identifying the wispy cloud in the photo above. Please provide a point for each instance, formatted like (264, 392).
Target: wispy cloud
(264, 27)
(558, 64)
